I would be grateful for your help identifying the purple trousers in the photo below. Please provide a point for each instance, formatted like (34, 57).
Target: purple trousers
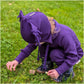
(55, 55)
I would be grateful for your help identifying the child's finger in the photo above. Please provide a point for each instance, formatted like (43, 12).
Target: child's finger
(52, 75)
(8, 66)
(48, 74)
(50, 71)
(14, 67)
(11, 67)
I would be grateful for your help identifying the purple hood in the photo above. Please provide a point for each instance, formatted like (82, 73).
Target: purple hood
(35, 27)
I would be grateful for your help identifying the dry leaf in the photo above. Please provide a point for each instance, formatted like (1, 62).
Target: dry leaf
(21, 63)
(38, 9)
(10, 3)
(32, 71)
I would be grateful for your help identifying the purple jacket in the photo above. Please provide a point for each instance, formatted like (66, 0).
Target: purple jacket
(64, 39)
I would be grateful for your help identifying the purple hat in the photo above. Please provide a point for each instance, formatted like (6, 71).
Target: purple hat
(35, 28)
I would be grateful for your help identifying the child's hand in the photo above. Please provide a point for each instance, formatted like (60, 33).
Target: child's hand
(53, 73)
(12, 64)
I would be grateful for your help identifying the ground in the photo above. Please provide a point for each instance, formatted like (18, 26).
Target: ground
(69, 13)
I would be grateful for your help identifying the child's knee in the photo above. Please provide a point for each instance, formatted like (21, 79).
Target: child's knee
(56, 54)
(52, 56)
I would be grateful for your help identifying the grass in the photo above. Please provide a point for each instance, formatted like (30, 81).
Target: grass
(69, 13)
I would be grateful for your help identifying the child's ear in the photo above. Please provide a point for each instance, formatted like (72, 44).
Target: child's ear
(50, 18)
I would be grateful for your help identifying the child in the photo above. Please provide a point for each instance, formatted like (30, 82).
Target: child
(56, 43)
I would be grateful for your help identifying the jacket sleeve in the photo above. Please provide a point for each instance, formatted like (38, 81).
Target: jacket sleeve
(25, 52)
(70, 51)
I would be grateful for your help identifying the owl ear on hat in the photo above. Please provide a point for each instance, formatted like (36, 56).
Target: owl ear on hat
(36, 32)
(20, 15)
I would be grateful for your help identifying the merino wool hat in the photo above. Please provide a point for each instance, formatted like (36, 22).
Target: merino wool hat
(35, 28)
